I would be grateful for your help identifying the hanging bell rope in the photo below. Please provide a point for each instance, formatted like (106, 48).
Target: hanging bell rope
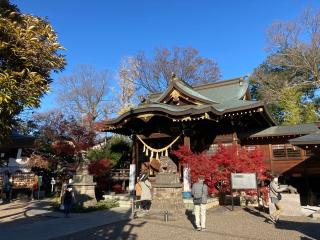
(153, 152)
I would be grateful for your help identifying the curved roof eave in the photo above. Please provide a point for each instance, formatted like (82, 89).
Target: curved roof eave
(193, 110)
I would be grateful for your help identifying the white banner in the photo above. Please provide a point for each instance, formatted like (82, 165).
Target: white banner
(244, 180)
(186, 180)
(132, 177)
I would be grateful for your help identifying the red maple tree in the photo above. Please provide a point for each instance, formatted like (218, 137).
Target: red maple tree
(99, 167)
(217, 168)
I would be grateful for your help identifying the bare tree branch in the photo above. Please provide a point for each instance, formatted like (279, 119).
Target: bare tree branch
(153, 74)
(84, 93)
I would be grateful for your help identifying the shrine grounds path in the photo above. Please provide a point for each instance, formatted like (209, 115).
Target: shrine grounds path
(35, 221)
(221, 224)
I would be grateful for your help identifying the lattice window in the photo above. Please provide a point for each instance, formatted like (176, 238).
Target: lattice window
(293, 152)
(285, 151)
(309, 153)
(279, 151)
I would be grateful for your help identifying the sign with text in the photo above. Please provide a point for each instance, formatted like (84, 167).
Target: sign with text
(244, 180)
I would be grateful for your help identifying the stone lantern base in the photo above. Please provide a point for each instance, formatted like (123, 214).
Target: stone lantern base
(84, 192)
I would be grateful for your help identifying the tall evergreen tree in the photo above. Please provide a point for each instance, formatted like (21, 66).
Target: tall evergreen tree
(29, 52)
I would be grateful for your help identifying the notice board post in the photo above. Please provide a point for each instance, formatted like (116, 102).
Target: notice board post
(243, 181)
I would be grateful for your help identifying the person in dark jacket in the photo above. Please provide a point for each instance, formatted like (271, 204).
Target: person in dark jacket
(200, 197)
(67, 200)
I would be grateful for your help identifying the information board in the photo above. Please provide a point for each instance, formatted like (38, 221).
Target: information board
(244, 180)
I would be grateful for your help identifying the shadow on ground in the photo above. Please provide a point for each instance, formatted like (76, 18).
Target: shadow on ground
(25, 214)
(191, 217)
(121, 230)
(311, 230)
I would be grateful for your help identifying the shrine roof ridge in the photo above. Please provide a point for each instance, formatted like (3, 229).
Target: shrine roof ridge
(313, 138)
(216, 92)
(299, 129)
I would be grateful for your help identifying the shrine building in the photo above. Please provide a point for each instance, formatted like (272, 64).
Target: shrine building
(223, 112)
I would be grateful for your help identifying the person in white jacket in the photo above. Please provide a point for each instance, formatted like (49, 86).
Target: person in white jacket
(275, 197)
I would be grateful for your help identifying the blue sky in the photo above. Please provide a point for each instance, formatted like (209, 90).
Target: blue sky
(101, 32)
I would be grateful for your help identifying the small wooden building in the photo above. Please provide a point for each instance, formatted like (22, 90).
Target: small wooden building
(15, 152)
(204, 116)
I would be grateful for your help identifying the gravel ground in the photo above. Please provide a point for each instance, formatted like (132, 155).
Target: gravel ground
(221, 224)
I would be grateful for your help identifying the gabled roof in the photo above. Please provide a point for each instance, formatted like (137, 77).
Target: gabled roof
(310, 139)
(300, 129)
(183, 88)
(217, 92)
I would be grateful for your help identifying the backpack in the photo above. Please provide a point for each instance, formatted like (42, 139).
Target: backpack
(138, 189)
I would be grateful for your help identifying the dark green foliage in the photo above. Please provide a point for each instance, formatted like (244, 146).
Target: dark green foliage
(116, 149)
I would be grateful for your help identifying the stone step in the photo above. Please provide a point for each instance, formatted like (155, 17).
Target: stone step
(123, 203)
(316, 215)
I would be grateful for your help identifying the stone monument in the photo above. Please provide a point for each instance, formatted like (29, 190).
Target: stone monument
(167, 191)
(290, 202)
(83, 185)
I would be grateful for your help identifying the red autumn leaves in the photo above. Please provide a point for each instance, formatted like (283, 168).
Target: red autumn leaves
(219, 166)
(99, 167)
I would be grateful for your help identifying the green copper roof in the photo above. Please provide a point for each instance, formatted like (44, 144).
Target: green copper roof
(313, 138)
(287, 130)
(235, 103)
(224, 91)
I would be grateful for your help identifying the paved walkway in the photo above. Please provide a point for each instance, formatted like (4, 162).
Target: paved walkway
(35, 220)
(222, 224)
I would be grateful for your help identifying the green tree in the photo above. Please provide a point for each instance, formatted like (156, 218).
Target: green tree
(294, 110)
(117, 149)
(29, 52)
(289, 78)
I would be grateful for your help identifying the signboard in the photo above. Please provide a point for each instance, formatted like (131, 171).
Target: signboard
(23, 180)
(244, 181)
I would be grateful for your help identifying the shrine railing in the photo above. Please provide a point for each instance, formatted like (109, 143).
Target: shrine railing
(120, 174)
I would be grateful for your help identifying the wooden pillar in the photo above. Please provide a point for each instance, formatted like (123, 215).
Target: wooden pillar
(183, 172)
(271, 159)
(186, 141)
(134, 156)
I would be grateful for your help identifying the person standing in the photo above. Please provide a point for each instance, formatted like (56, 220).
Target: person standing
(200, 196)
(67, 200)
(7, 186)
(138, 191)
(146, 195)
(275, 197)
